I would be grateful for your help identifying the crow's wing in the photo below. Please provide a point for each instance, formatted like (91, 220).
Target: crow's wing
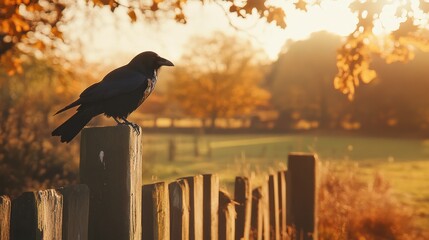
(119, 81)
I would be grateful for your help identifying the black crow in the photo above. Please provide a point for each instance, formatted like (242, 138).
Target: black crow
(117, 95)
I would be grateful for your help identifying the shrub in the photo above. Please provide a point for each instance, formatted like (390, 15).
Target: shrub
(351, 208)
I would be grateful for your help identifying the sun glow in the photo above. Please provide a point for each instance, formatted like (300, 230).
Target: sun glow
(170, 38)
(392, 15)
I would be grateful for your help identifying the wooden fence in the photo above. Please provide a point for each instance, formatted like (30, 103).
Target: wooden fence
(112, 203)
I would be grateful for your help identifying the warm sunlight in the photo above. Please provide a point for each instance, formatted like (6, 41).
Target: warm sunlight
(214, 119)
(331, 16)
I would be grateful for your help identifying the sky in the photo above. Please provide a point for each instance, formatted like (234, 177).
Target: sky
(111, 37)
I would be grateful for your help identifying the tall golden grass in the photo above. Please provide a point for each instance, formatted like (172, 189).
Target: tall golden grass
(352, 208)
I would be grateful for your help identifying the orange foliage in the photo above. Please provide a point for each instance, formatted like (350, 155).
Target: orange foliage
(350, 208)
(30, 158)
(220, 80)
(354, 57)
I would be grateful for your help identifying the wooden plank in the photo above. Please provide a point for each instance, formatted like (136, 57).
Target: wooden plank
(111, 166)
(266, 233)
(289, 222)
(75, 212)
(257, 215)
(210, 206)
(302, 170)
(243, 196)
(281, 175)
(155, 212)
(179, 210)
(196, 206)
(37, 215)
(227, 217)
(5, 208)
(273, 198)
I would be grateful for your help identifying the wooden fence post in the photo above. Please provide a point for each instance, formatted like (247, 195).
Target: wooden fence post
(37, 215)
(111, 166)
(273, 198)
(227, 216)
(243, 197)
(210, 206)
(75, 212)
(155, 212)
(196, 141)
(179, 210)
(196, 206)
(257, 214)
(282, 204)
(303, 191)
(5, 207)
(172, 149)
(266, 211)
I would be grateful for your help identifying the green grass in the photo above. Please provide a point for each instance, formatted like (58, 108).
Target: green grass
(403, 162)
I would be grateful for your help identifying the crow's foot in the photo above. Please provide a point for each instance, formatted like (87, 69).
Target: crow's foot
(135, 127)
(118, 122)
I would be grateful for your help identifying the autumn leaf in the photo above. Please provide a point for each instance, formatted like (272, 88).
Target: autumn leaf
(278, 16)
(132, 15)
(301, 5)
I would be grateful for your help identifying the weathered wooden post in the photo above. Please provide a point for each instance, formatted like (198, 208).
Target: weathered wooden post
(273, 198)
(196, 206)
(179, 210)
(282, 204)
(155, 212)
(243, 197)
(210, 206)
(257, 214)
(75, 212)
(37, 215)
(227, 216)
(302, 170)
(196, 141)
(5, 207)
(111, 166)
(172, 150)
(266, 211)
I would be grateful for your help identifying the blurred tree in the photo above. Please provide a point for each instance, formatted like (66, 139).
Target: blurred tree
(33, 25)
(396, 101)
(36, 25)
(219, 80)
(373, 36)
(301, 82)
(29, 158)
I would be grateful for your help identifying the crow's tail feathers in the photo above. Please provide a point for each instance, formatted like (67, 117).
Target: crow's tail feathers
(70, 128)
(73, 104)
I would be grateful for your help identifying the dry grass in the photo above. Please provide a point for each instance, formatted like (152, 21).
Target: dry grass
(351, 208)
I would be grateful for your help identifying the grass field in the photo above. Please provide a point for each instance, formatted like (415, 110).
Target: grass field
(403, 162)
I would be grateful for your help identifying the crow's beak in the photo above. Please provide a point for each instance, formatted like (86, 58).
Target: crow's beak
(164, 62)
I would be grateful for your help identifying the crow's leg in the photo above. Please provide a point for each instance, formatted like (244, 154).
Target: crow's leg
(117, 121)
(135, 126)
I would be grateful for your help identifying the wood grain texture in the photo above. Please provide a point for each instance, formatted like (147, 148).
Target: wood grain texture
(5, 208)
(179, 210)
(302, 170)
(111, 166)
(243, 197)
(37, 215)
(75, 212)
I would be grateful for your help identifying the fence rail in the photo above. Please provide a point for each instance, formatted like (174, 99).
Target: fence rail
(112, 203)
